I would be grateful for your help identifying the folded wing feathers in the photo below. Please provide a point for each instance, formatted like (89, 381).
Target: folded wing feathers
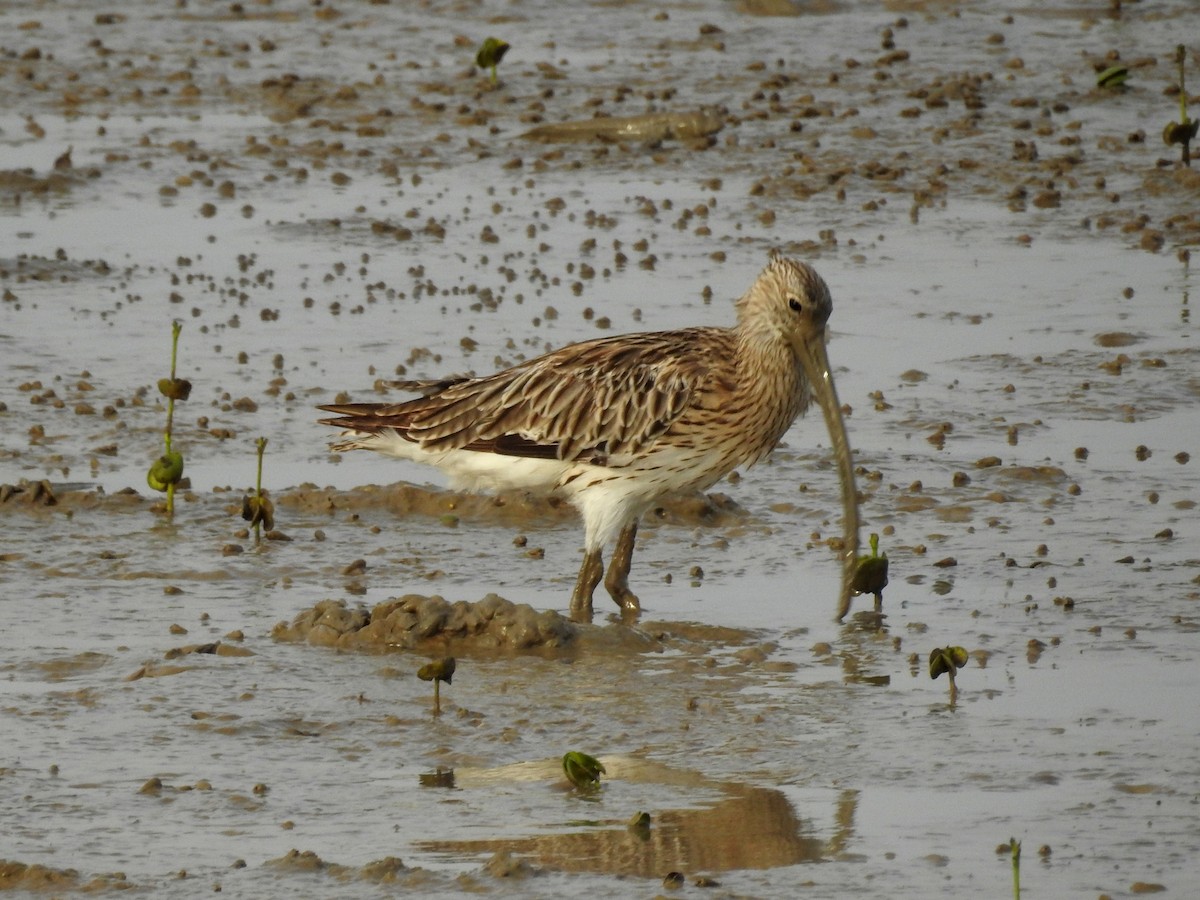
(592, 400)
(428, 386)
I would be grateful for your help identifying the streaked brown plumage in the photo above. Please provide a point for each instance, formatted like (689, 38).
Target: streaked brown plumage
(616, 423)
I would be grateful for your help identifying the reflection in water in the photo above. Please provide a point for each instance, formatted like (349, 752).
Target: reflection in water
(864, 638)
(443, 778)
(750, 827)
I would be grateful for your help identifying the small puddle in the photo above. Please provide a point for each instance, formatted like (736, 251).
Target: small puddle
(710, 838)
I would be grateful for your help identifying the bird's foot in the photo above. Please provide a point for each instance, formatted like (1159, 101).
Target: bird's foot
(616, 579)
(624, 597)
(631, 608)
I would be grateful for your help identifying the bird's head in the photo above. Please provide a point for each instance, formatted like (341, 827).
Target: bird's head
(790, 301)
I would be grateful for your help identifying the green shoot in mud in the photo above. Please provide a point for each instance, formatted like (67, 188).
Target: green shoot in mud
(948, 660)
(1015, 846)
(582, 770)
(438, 671)
(257, 509)
(1184, 131)
(489, 55)
(871, 574)
(167, 470)
(1112, 77)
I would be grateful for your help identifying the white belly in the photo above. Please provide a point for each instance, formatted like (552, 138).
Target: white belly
(469, 470)
(608, 497)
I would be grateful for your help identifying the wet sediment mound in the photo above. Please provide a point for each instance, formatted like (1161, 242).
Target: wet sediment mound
(430, 625)
(19, 876)
(403, 499)
(400, 499)
(14, 183)
(389, 870)
(693, 126)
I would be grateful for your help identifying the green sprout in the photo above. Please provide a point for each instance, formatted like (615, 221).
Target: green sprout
(167, 470)
(582, 770)
(1112, 77)
(1015, 846)
(489, 55)
(871, 574)
(948, 660)
(258, 509)
(1184, 131)
(437, 671)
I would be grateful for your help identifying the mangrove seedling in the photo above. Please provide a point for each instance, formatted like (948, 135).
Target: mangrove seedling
(437, 671)
(871, 574)
(257, 508)
(948, 660)
(582, 770)
(1015, 846)
(1112, 77)
(167, 470)
(489, 55)
(1184, 131)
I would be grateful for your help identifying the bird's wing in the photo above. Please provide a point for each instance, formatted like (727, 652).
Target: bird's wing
(427, 386)
(593, 400)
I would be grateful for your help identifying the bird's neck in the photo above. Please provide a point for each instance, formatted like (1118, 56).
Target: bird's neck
(762, 348)
(770, 380)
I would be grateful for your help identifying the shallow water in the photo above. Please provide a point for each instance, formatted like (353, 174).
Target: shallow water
(970, 322)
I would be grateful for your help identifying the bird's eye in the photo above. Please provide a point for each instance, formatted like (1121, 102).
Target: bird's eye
(795, 304)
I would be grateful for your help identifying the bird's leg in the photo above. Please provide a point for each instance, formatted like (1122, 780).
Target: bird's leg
(589, 576)
(617, 578)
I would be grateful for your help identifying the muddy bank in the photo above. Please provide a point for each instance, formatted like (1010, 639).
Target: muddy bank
(40, 879)
(434, 626)
(389, 870)
(398, 499)
(691, 127)
(431, 625)
(17, 184)
(509, 507)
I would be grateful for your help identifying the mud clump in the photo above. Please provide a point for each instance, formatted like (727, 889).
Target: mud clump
(691, 126)
(389, 870)
(402, 499)
(14, 183)
(506, 507)
(430, 625)
(504, 865)
(37, 492)
(34, 496)
(19, 876)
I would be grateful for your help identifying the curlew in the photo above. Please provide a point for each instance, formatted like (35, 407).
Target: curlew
(614, 424)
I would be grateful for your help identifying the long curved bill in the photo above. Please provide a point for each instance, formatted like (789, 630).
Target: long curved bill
(816, 364)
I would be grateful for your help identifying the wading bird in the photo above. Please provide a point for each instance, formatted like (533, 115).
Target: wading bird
(614, 424)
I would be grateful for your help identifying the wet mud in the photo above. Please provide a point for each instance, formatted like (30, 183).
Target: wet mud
(333, 197)
(431, 624)
(651, 128)
(702, 840)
